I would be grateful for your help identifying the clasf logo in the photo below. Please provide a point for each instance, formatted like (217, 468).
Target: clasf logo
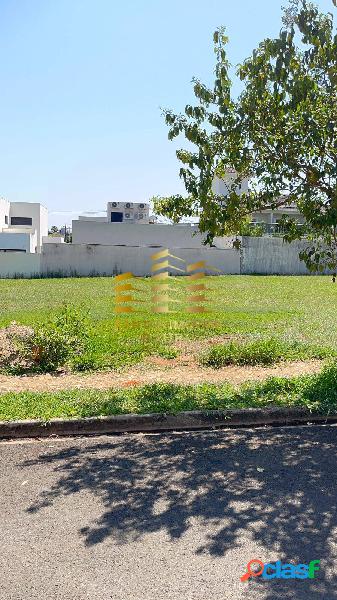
(278, 570)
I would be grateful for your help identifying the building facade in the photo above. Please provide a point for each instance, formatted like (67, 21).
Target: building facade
(22, 226)
(269, 218)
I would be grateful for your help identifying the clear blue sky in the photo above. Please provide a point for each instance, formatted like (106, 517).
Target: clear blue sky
(82, 83)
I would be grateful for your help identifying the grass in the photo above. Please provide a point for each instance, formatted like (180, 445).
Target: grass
(262, 352)
(316, 392)
(290, 309)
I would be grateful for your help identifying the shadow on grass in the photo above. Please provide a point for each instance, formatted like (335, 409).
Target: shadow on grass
(279, 485)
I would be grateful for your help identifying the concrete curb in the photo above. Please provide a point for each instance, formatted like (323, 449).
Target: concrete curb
(250, 417)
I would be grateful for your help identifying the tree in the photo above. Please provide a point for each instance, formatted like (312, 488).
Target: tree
(173, 207)
(281, 132)
(54, 229)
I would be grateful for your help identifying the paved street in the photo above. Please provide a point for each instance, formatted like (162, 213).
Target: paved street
(175, 516)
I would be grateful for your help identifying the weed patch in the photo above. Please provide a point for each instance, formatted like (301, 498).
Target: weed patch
(262, 352)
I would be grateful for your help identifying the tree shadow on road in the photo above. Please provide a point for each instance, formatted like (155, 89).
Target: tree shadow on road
(279, 485)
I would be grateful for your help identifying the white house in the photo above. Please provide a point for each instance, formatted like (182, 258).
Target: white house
(22, 226)
(272, 216)
(268, 217)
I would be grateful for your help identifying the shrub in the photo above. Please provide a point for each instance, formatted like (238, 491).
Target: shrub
(63, 340)
(261, 352)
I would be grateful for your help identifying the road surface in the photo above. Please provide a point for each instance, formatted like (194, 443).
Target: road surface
(168, 516)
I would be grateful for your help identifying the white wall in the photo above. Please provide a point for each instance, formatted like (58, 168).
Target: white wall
(118, 234)
(52, 239)
(19, 264)
(93, 218)
(86, 260)
(265, 256)
(225, 242)
(268, 256)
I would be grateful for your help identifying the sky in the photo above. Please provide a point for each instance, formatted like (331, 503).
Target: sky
(82, 84)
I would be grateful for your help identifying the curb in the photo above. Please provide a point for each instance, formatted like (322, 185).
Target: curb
(194, 420)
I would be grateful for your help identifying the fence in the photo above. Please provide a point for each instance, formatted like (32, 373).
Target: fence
(264, 255)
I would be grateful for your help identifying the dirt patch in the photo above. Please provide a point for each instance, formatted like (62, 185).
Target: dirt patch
(13, 341)
(189, 351)
(194, 347)
(159, 373)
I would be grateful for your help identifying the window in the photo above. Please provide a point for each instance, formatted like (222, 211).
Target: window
(21, 221)
(12, 250)
(116, 217)
(6, 219)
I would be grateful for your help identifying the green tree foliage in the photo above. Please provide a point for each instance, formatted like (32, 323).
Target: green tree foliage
(281, 132)
(174, 207)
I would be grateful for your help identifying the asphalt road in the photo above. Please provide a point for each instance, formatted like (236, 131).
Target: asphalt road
(175, 516)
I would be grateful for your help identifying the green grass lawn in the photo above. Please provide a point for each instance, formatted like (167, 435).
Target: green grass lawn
(291, 309)
(316, 392)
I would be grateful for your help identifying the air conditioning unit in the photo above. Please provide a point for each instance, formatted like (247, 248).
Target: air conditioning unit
(142, 205)
(114, 204)
(140, 216)
(128, 205)
(128, 216)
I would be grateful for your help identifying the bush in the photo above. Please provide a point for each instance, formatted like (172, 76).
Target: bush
(261, 352)
(63, 340)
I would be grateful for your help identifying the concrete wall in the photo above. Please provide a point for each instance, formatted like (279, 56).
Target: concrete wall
(19, 264)
(268, 256)
(93, 218)
(119, 234)
(84, 260)
(224, 242)
(264, 256)
(53, 239)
